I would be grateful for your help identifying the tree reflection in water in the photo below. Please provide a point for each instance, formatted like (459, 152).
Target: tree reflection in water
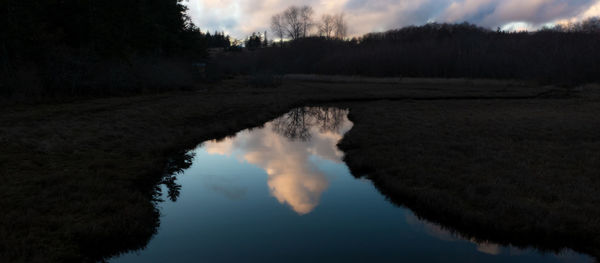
(297, 123)
(288, 150)
(283, 148)
(176, 165)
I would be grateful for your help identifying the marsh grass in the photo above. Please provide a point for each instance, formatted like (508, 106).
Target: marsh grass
(400, 80)
(79, 178)
(516, 172)
(264, 79)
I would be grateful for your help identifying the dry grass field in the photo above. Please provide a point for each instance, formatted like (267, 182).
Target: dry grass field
(498, 160)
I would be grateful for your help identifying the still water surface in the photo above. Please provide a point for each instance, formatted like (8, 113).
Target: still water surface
(281, 193)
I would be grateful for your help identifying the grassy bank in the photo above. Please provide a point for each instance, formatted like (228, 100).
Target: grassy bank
(520, 172)
(78, 178)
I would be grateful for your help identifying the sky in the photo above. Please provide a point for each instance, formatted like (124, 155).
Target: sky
(240, 18)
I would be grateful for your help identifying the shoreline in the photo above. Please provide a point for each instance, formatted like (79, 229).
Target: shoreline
(107, 154)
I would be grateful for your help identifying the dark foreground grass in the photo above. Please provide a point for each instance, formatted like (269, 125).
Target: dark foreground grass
(78, 179)
(520, 172)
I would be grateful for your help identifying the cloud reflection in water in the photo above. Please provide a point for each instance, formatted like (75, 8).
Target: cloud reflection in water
(283, 147)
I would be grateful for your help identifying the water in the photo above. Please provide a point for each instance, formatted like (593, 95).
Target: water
(281, 193)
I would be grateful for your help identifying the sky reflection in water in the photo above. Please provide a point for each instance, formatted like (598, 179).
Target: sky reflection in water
(281, 193)
(292, 178)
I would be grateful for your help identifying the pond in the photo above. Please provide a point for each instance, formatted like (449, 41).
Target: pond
(281, 193)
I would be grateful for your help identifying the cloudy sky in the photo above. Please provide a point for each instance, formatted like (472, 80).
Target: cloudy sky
(241, 17)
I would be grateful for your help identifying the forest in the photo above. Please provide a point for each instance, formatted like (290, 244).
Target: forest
(566, 55)
(86, 47)
(103, 48)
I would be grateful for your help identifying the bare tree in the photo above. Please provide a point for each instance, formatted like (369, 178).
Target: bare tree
(590, 25)
(295, 22)
(306, 14)
(278, 27)
(332, 26)
(327, 26)
(341, 27)
(292, 22)
(266, 40)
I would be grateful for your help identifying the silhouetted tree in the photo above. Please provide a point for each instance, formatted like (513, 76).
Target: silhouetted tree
(254, 41)
(66, 44)
(293, 23)
(278, 28)
(265, 40)
(333, 26)
(327, 26)
(218, 40)
(306, 14)
(590, 25)
(566, 55)
(340, 25)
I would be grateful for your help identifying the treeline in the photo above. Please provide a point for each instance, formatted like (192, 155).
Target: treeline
(256, 40)
(562, 55)
(218, 40)
(96, 47)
